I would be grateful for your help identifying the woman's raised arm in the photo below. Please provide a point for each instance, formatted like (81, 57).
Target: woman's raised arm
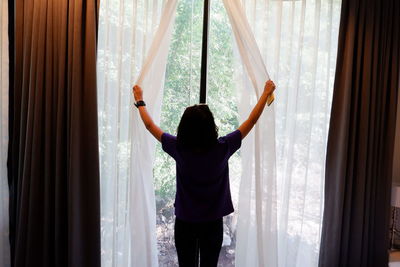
(248, 124)
(146, 118)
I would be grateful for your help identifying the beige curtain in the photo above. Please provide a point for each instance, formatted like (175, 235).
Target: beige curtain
(4, 67)
(396, 157)
(54, 174)
(362, 136)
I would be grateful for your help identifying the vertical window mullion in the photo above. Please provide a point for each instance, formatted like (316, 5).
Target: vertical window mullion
(204, 52)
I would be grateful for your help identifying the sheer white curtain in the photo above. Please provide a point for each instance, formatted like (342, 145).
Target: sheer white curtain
(126, 32)
(280, 203)
(298, 42)
(257, 208)
(4, 242)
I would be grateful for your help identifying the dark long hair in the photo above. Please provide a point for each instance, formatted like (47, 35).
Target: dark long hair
(197, 130)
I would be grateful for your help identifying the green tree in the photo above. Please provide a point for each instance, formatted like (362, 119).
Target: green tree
(182, 79)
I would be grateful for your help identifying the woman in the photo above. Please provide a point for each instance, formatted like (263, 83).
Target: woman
(203, 195)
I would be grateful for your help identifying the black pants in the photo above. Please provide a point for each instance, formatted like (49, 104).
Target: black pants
(192, 239)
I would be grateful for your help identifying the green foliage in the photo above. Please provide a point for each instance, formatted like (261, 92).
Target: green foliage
(182, 81)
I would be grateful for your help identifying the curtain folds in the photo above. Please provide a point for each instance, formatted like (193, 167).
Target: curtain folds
(361, 137)
(4, 87)
(53, 149)
(142, 208)
(396, 153)
(129, 31)
(257, 243)
(280, 208)
(298, 43)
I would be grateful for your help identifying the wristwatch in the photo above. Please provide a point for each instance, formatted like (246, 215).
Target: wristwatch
(140, 104)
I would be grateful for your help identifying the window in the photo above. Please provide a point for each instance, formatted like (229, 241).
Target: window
(182, 87)
(298, 41)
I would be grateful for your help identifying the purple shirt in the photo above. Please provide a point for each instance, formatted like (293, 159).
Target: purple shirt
(202, 179)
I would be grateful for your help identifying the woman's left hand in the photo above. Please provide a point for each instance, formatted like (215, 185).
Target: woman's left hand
(137, 93)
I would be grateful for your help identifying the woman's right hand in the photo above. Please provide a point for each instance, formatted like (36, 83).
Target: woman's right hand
(269, 87)
(137, 93)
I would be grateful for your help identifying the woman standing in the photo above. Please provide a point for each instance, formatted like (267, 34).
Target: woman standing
(203, 195)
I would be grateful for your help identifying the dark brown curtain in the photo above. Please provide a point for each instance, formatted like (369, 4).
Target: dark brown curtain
(53, 152)
(361, 136)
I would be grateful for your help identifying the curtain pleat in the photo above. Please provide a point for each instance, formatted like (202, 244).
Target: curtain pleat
(4, 134)
(257, 210)
(361, 137)
(396, 156)
(134, 38)
(298, 41)
(53, 151)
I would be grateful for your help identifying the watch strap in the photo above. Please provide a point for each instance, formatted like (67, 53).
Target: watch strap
(140, 103)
